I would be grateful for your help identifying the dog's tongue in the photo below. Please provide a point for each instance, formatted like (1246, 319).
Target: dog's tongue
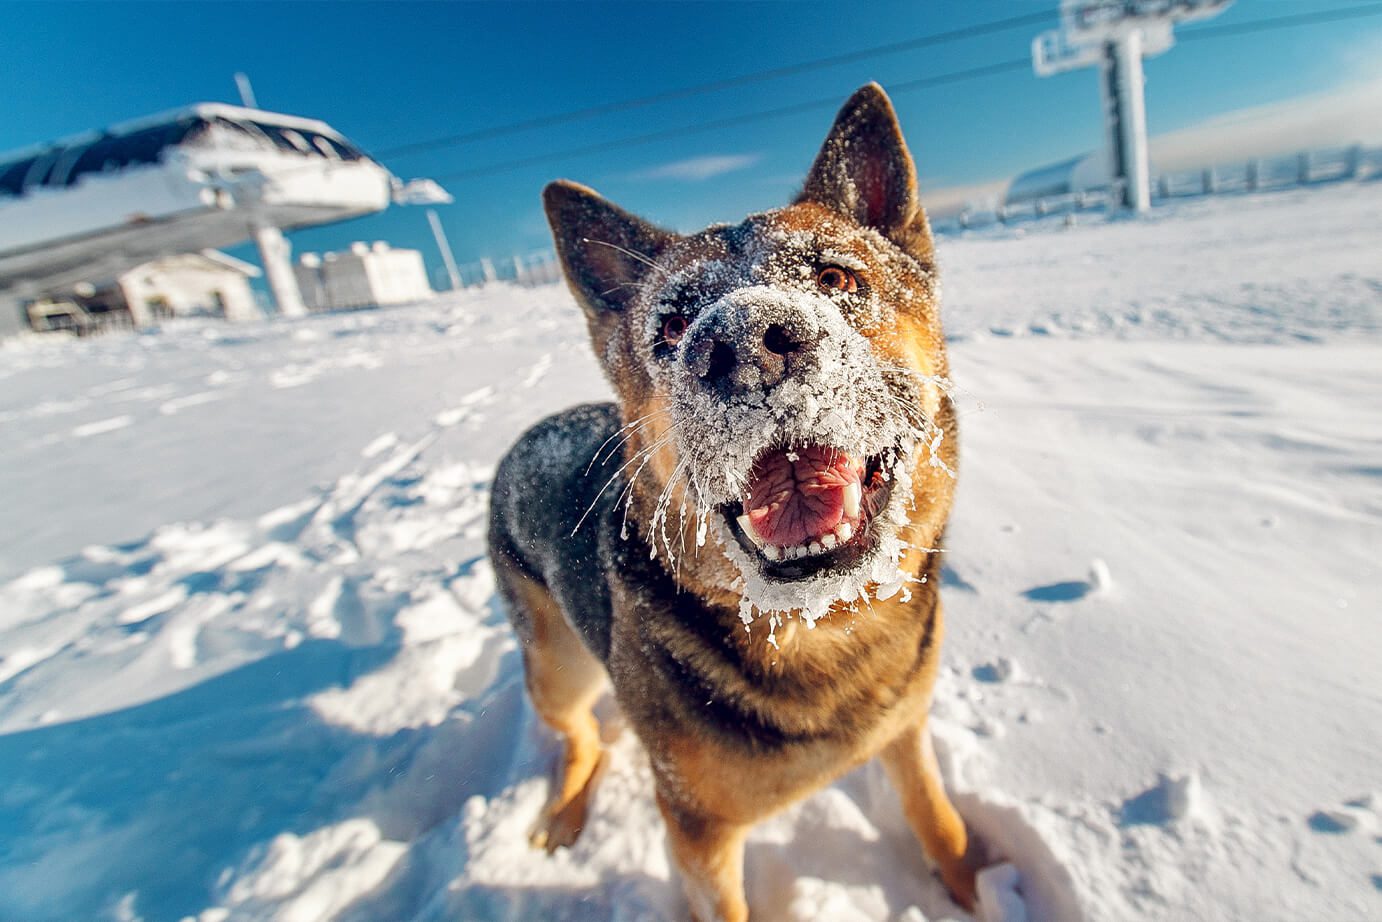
(797, 496)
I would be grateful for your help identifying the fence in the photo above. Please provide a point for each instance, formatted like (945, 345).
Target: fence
(539, 267)
(1324, 165)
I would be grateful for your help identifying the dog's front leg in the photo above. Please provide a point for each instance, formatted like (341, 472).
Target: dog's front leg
(910, 762)
(709, 853)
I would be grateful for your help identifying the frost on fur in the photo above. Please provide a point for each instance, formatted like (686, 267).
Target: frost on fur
(785, 378)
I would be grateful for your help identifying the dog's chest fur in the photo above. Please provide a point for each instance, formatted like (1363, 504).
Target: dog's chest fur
(675, 659)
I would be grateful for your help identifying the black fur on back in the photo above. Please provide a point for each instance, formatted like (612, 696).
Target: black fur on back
(548, 482)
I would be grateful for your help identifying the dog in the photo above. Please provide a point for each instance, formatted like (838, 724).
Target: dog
(747, 544)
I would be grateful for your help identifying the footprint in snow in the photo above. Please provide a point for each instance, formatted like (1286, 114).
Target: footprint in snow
(1172, 798)
(1002, 669)
(1098, 580)
(1359, 812)
(1069, 591)
(951, 577)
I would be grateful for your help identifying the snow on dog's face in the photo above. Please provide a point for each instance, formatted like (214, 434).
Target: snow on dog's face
(783, 379)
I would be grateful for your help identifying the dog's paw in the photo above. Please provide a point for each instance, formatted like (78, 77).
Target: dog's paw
(959, 881)
(561, 823)
(560, 829)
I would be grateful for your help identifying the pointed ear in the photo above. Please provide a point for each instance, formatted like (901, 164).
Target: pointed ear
(863, 170)
(602, 247)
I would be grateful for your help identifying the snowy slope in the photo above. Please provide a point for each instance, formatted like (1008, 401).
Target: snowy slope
(251, 666)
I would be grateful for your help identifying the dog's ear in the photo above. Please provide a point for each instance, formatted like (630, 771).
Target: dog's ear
(864, 171)
(604, 250)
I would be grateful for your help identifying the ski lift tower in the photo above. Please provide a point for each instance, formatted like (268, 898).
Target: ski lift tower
(1116, 35)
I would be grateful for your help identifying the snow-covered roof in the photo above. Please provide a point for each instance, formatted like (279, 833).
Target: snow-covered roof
(145, 140)
(230, 262)
(199, 110)
(207, 259)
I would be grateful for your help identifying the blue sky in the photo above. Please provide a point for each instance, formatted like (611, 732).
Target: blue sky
(389, 74)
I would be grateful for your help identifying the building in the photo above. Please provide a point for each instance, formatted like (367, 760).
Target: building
(208, 284)
(98, 204)
(363, 276)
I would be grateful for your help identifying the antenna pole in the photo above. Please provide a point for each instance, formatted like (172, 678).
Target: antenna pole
(242, 81)
(445, 247)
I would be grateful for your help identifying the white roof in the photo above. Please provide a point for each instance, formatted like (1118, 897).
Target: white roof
(230, 262)
(200, 109)
(215, 257)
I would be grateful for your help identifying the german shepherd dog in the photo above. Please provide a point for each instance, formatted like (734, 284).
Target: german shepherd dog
(747, 542)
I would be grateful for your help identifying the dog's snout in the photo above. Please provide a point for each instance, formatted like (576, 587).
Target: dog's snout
(738, 348)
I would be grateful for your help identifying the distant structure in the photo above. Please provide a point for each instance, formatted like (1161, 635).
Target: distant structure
(1116, 35)
(1187, 172)
(209, 284)
(207, 176)
(363, 276)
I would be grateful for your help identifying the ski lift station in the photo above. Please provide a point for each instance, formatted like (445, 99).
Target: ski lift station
(211, 175)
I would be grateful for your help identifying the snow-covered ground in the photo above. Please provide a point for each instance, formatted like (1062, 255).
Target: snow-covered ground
(251, 664)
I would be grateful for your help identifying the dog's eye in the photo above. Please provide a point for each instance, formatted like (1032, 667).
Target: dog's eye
(673, 328)
(837, 278)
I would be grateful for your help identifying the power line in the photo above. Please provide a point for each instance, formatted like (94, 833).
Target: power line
(1261, 25)
(672, 133)
(1282, 22)
(559, 118)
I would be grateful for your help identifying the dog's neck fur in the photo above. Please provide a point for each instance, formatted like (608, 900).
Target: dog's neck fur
(787, 690)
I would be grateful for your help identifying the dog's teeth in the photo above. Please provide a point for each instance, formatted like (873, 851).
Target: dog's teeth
(798, 552)
(814, 547)
(852, 496)
(772, 552)
(747, 526)
(844, 531)
(828, 541)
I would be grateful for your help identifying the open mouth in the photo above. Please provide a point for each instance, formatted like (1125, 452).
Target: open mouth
(808, 509)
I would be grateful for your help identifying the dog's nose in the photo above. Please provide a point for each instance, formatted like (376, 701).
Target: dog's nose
(778, 340)
(741, 351)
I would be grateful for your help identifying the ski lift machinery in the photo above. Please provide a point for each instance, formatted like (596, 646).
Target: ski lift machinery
(207, 176)
(1116, 35)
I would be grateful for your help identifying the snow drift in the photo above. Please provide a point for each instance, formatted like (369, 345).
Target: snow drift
(251, 664)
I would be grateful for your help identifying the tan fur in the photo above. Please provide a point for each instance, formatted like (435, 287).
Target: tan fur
(868, 674)
(564, 681)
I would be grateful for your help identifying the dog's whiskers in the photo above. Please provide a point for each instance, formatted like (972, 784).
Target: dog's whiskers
(644, 454)
(627, 426)
(649, 421)
(946, 386)
(627, 252)
(626, 495)
(659, 517)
